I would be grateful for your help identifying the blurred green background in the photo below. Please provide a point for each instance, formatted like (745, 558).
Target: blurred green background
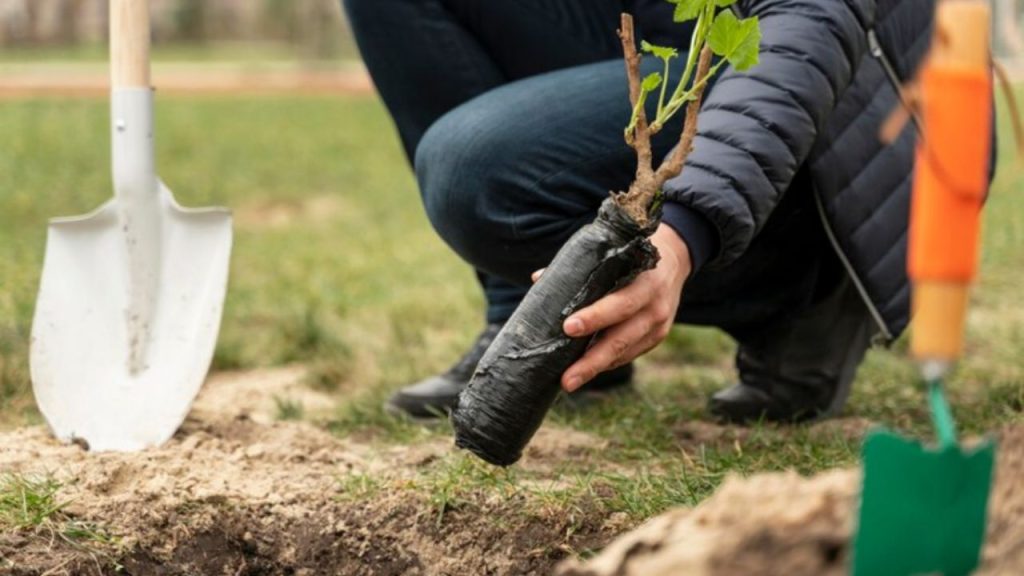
(38, 30)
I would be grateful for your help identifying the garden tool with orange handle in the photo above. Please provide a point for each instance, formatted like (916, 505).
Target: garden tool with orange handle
(923, 508)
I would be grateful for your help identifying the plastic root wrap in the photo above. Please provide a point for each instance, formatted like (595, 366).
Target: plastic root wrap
(518, 378)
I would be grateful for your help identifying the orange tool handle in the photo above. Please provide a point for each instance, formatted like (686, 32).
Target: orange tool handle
(950, 177)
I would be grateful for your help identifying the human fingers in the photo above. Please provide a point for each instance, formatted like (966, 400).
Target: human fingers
(611, 349)
(612, 309)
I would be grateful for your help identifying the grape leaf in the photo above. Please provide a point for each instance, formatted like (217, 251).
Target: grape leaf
(664, 52)
(690, 9)
(687, 9)
(651, 82)
(735, 40)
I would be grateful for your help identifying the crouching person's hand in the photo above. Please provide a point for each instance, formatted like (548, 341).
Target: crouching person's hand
(632, 320)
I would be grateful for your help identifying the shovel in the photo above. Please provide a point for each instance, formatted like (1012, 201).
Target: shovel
(923, 509)
(131, 294)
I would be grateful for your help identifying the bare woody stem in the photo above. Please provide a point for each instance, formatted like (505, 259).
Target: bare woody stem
(648, 182)
(640, 139)
(673, 165)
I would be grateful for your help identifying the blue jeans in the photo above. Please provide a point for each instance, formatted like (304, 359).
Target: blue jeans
(512, 114)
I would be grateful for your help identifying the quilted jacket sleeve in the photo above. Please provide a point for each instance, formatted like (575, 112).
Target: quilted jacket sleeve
(757, 127)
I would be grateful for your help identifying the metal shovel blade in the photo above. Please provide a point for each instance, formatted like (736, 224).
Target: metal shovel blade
(85, 383)
(922, 510)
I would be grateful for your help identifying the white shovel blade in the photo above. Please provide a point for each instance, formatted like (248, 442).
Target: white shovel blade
(80, 349)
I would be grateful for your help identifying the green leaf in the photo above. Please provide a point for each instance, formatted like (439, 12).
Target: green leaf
(651, 82)
(735, 40)
(664, 52)
(687, 10)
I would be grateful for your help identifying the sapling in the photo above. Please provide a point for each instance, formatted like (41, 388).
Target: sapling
(518, 377)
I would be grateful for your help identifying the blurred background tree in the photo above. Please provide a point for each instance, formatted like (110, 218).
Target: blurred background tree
(313, 28)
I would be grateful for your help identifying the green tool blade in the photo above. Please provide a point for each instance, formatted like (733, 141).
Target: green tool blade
(922, 510)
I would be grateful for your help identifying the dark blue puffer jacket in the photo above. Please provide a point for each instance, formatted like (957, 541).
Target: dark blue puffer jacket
(812, 109)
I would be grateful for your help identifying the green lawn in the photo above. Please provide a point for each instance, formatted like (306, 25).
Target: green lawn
(336, 266)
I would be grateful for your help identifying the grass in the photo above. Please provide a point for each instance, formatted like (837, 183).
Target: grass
(27, 502)
(333, 259)
(32, 505)
(288, 409)
(335, 266)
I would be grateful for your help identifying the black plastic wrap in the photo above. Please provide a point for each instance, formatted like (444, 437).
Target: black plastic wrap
(519, 376)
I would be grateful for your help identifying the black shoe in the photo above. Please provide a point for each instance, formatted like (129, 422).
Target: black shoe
(803, 369)
(436, 396)
(745, 404)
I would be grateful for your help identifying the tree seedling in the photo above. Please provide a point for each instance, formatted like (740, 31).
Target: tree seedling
(518, 377)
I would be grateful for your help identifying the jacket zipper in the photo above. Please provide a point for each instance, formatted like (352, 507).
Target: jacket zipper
(875, 48)
(884, 333)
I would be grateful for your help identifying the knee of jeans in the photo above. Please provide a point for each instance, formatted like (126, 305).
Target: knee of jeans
(460, 169)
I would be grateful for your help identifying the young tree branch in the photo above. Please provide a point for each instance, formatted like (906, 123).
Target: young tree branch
(640, 197)
(673, 165)
(640, 137)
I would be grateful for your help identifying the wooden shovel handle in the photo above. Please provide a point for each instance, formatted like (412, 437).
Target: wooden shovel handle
(129, 43)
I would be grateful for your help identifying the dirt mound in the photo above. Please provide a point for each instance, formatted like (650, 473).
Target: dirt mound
(237, 492)
(766, 524)
(785, 524)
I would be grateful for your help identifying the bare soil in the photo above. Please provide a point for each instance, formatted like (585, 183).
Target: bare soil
(785, 524)
(91, 81)
(277, 214)
(236, 492)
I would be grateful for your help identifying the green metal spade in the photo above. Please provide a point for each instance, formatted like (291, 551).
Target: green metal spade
(923, 508)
